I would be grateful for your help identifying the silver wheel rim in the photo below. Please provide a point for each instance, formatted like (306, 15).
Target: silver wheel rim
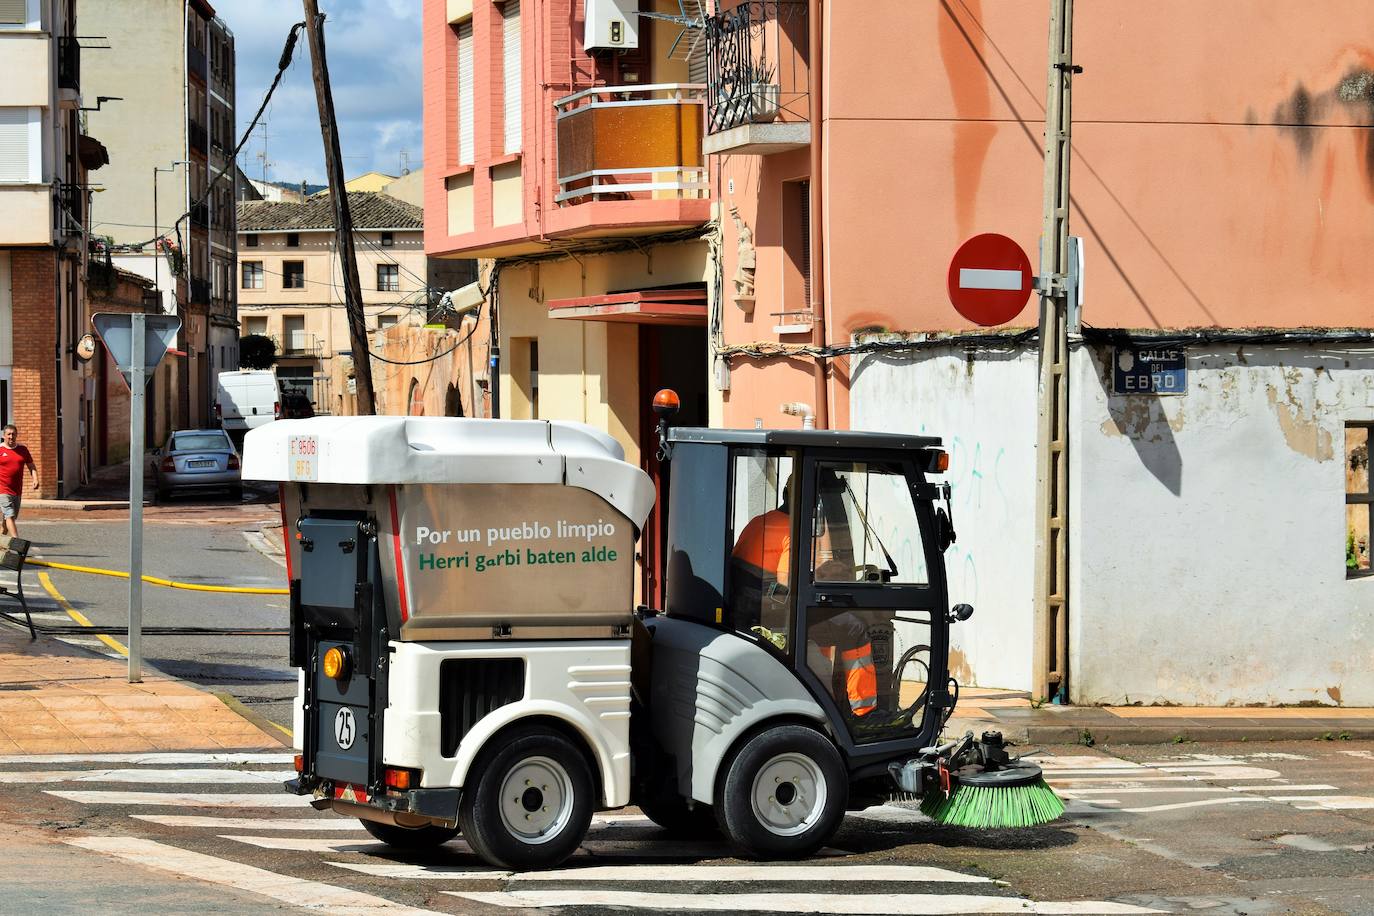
(789, 794)
(536, 800)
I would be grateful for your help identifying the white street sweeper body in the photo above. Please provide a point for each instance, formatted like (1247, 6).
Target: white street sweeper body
(471, 657)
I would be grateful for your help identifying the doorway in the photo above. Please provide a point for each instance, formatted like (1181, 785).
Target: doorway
(669, 357)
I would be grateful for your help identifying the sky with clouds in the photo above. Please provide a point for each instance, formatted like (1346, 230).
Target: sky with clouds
(374, 66)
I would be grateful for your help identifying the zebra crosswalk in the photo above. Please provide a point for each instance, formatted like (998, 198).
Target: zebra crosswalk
(223, 820)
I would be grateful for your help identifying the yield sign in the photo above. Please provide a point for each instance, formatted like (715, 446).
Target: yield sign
(989, 279)
(116, 331)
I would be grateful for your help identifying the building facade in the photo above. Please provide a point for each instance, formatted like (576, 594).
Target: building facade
(45, 387)
(168, 205)
(569, 160)
(291, 289)
(1218, 393)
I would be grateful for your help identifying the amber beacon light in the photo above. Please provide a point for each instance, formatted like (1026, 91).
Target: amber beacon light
(335, 663)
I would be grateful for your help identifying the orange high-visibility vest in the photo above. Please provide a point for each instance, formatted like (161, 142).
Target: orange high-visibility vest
(860, 677)
(766, 544)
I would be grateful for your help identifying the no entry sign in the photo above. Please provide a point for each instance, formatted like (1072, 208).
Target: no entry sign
(989, 279)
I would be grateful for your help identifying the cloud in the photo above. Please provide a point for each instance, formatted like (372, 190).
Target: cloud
(375, 73)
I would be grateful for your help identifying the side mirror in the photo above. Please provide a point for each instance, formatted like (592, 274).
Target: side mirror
(960, 612)
(944, 530)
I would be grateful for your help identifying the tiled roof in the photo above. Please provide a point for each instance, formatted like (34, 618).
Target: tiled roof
(370, 210)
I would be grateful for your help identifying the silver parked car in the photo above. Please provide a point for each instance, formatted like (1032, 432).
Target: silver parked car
(198, 459)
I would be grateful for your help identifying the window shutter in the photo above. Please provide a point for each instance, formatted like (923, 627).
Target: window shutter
(511, 70)
(465, 94)
(17, 146)
(14, 12)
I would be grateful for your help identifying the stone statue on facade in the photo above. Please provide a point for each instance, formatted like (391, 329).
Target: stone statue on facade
(745, 263)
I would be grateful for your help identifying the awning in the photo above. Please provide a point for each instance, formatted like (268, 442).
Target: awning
(645, 306)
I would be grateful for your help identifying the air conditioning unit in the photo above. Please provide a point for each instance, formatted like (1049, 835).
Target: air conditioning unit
(612, 25)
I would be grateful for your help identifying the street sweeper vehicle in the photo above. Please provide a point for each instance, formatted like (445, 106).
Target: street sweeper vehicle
(471, 658)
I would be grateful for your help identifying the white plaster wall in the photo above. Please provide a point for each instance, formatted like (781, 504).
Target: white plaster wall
(1208, 553)
(985, 413)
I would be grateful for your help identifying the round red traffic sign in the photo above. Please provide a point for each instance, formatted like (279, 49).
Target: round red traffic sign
(990, 279)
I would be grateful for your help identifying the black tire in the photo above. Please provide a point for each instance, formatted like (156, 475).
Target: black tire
(236, 494)
(528, 800)
(670, 811)
(805, 765)
(410, 838)
(164, 495)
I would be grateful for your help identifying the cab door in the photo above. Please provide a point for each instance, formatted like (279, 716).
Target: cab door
(870, 600)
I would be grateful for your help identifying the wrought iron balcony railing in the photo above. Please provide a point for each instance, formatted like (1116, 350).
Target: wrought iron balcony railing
(757, 64)
(68, 63)
(631, 143)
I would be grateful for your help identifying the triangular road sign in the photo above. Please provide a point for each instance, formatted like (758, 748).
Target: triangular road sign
(115, 330)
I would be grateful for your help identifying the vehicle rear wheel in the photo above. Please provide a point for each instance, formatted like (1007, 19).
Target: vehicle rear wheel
(411, 838)
(164, 495)
(670, 812)
(783, 793)
(528, 800)
(236, 494)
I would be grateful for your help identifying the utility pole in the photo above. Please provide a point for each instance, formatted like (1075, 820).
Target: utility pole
(1051, 662)
(343, 220)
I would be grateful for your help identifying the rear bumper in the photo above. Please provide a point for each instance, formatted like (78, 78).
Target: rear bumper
(435, 804)
(217, 480)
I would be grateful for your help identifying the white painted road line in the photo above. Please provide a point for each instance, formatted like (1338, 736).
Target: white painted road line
(1328, 802)
(677, 873)
(1203, 803)
(647, 848)
(317, 844)
(184, 799)
(169, 758)
(1283, 788)
(843, 904)
(172, 777)
(283, 888)
(985, 278)
(329, 823)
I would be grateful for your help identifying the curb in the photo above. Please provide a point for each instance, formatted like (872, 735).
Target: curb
(265, 725)
(1194, 734)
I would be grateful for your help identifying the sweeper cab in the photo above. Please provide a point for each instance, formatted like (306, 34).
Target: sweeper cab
(471, 658)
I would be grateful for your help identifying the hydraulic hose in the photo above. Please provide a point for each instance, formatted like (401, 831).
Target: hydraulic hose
(165, 583)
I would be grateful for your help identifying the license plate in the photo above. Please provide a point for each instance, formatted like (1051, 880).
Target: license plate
(200, 464)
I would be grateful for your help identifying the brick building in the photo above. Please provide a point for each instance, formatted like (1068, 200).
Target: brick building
(44, 202)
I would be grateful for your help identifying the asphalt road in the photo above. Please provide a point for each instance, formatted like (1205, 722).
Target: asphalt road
(1149, 829)
(199, 541)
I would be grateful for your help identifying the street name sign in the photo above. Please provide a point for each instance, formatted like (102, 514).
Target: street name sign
(990, 279)
(1150, 370)
(116, 332)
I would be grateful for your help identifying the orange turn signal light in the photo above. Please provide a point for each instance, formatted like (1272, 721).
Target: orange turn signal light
(300, 763)
(335, 663)
(399, 779)
(937, 461)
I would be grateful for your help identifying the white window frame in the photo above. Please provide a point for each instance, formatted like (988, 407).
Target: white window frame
(391, 274)
(466, 95)
(33, 16)
(511, 55)
(257, 274)
(32, 121)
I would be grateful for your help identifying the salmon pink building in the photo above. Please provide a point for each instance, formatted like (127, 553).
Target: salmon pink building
(762, 214)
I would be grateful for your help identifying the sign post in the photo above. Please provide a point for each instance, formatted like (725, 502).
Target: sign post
(126, 336)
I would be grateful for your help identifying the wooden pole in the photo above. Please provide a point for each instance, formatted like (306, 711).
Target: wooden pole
(343, 220)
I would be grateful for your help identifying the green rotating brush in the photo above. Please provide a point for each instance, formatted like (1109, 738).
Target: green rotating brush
(978, 785)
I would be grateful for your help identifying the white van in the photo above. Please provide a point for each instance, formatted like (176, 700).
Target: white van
(247, 399)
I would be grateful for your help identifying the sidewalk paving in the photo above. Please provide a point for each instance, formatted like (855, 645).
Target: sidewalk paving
(58, 699)
(1011, 712)
(108, 488)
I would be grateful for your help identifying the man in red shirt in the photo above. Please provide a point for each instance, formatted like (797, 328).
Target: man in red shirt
(13, 459)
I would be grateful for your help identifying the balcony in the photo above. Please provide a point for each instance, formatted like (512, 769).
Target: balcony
(195, 61)
(301, 343)
(69, 65)
(69, 207)
(630, 156)
(757, 91)
(197, 136)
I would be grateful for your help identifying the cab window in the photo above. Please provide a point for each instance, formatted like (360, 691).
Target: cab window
(761, 521)
(865, 526)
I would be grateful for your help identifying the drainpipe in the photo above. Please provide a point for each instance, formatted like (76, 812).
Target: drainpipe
(818, 335)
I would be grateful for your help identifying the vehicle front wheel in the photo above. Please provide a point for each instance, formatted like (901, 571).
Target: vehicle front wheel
(410, 838)
(783, 793)
(528, 800)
